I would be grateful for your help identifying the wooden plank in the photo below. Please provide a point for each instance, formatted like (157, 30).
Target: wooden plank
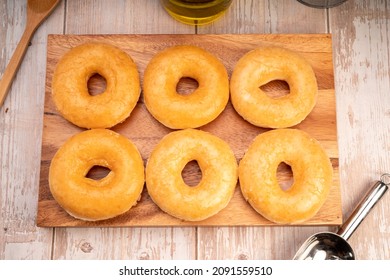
(124, 243)
(121, 17)
(145, 131)
(253, 243)
(20, 136)
(287, 16)
(362, 65)
(243, 16)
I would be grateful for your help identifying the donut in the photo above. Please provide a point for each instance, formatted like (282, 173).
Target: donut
(70, 92)
(165, 183)
(88, 199)
(261, 66)
(179, 111)
(312, 174)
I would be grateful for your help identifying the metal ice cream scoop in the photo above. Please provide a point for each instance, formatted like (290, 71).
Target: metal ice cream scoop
(332, 246)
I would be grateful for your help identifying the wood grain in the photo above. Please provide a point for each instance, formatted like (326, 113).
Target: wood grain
(260, 16)
(360, 32)
(362, 89)
(145, 131)
(36, 13)
(129, 17)
(20, 136)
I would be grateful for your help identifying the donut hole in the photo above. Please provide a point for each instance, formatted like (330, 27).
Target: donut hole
(97, 172)
(192, 174)
(276, 88)
(186, 86)
(96, 84)
(285, 176)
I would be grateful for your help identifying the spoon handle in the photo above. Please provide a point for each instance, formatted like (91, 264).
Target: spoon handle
(14, 63)
(364, 207)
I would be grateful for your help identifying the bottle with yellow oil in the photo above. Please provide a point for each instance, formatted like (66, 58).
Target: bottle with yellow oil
(196, 12)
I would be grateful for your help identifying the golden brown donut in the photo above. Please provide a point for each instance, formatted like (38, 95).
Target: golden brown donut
(88, 199)
(178, 111)
(261, 66)
(312, 174)
(165, 183)
(70, 92)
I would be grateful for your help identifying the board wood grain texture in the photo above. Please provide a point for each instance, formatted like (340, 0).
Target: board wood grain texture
(146, 132)
(360, 35)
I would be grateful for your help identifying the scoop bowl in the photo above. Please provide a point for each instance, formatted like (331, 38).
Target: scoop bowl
(332, 246)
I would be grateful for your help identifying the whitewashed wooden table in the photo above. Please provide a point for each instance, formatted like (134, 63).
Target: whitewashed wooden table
(361, 46)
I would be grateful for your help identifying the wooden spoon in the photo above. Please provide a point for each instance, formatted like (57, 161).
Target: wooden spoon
(37, 11)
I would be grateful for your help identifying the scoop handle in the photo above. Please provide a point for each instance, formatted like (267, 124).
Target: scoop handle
(14, 63)
(364, 207)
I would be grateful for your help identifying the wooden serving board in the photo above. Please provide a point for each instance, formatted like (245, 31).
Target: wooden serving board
(146, 132)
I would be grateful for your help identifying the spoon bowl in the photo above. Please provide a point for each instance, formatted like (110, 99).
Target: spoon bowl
(325, 246)
(37, 12)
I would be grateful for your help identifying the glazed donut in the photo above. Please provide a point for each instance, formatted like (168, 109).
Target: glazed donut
(165, 183)
(178, 111)
(88, 199)
(261, 66)
(70, 92)
(312, 174)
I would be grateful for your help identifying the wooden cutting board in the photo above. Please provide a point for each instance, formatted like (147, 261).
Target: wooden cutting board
(146, 132)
